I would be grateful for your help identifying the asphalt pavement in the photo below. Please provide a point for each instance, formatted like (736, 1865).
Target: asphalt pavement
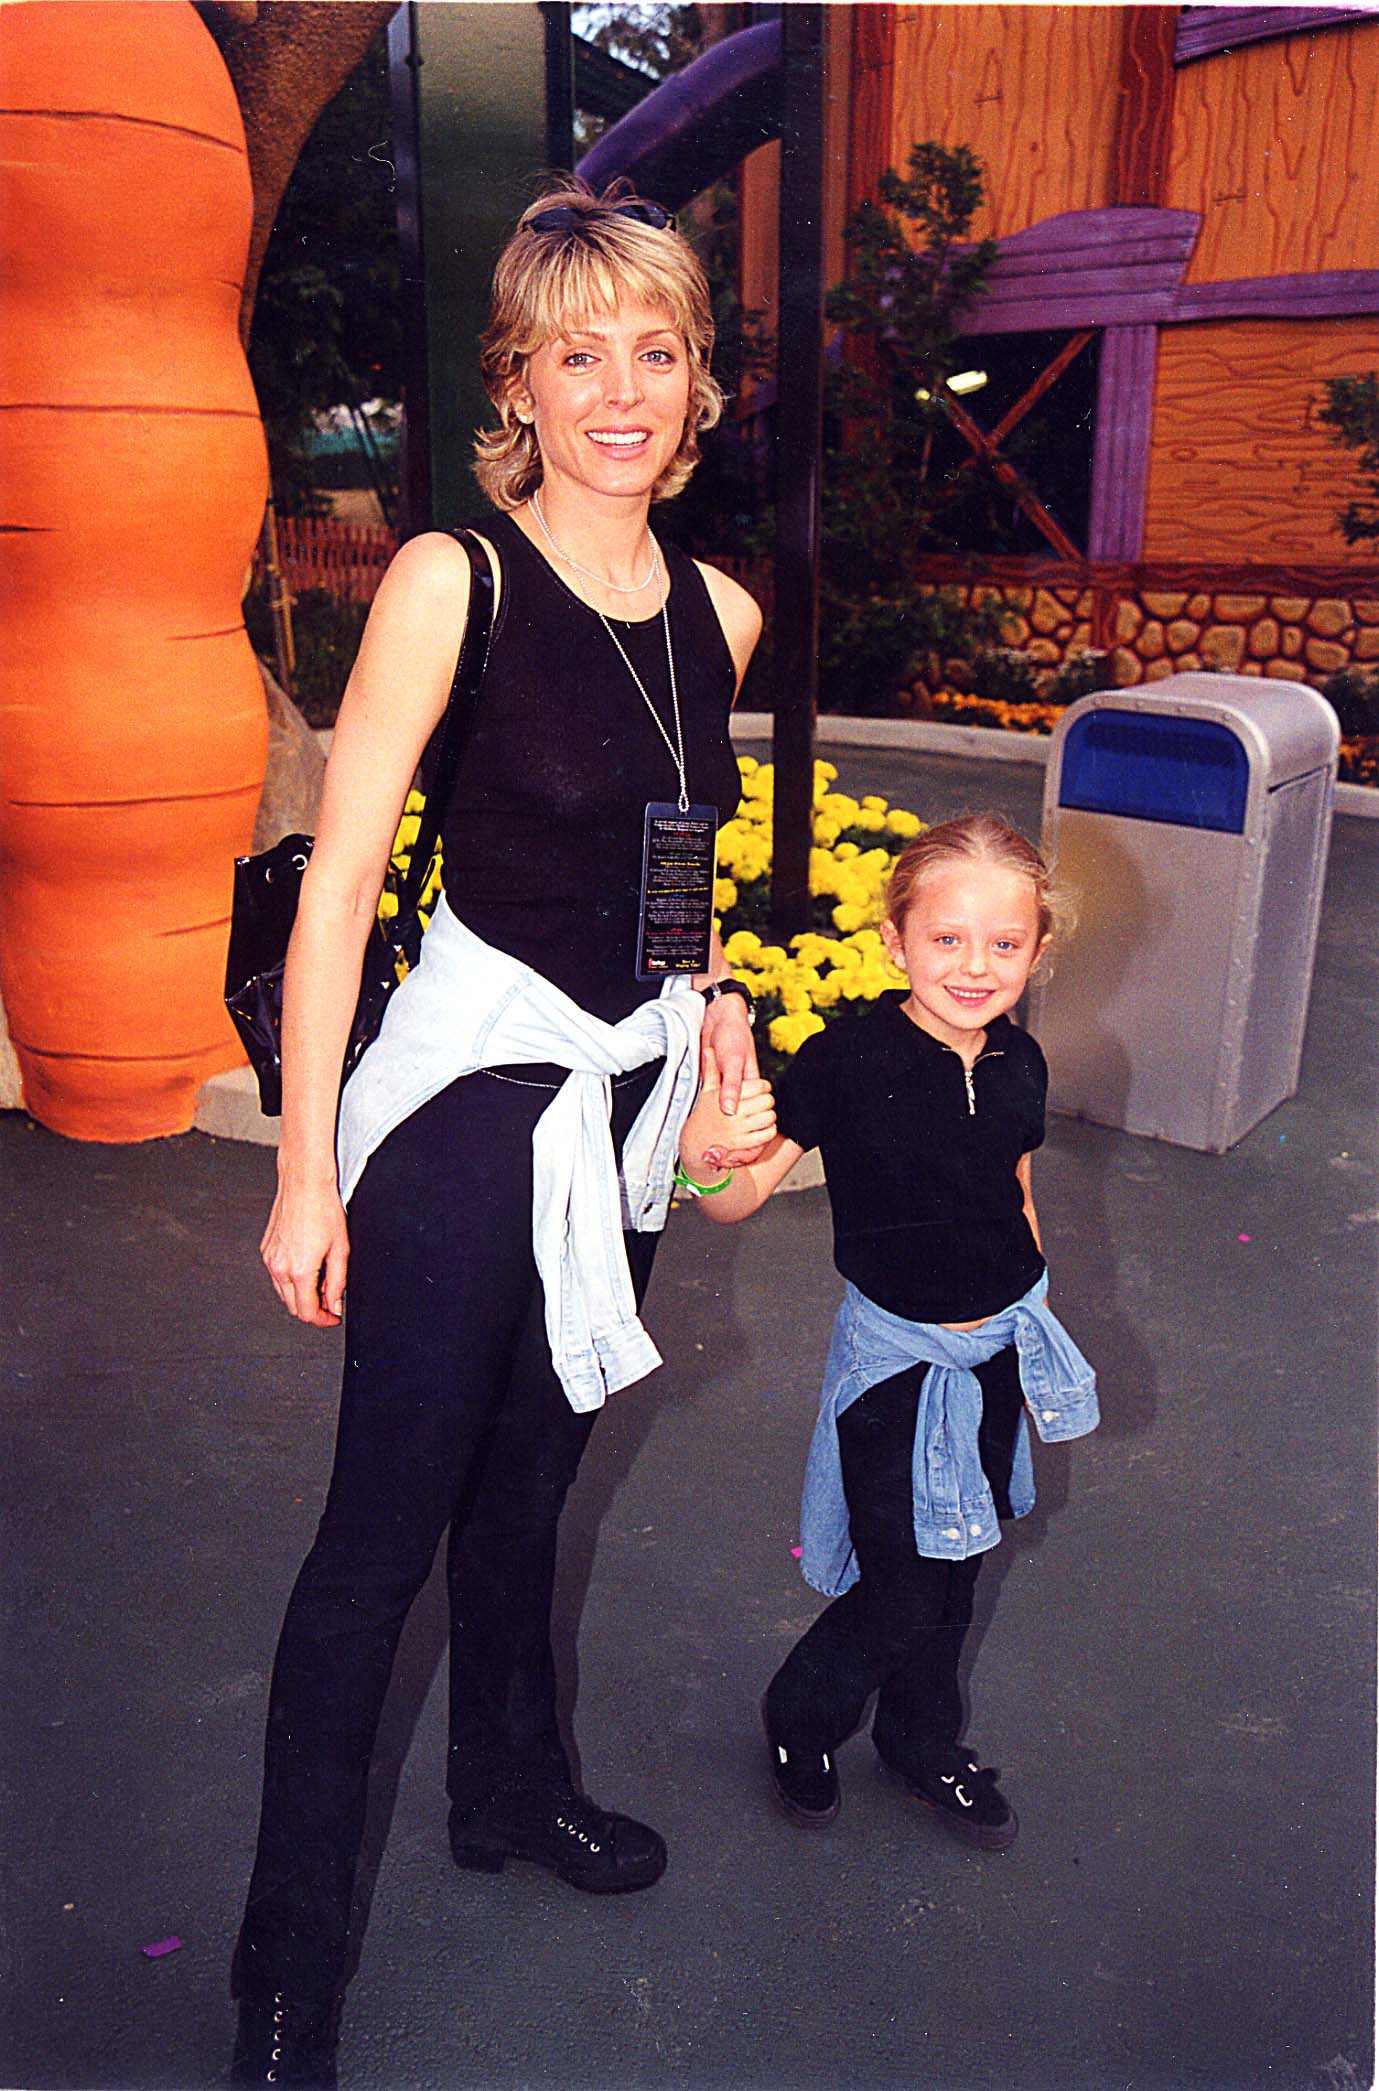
(1173, 1661)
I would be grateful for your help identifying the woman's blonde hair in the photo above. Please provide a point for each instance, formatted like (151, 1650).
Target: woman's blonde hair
(982, 838)
(548, 282)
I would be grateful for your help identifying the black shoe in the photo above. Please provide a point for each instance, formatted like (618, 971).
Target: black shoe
(805, 1781)
(964, 1797)
(585, 1846)
(285, 2041)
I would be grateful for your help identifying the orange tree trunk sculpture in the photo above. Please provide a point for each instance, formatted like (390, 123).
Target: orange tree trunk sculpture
(132, 723)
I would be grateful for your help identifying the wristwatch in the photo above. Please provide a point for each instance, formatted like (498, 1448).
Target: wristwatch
(718, 988)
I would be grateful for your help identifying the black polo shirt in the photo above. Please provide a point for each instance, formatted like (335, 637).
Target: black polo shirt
(928, 1217)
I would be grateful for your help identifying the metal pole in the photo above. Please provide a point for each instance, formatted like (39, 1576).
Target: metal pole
(279, 600)
(414, 479)
(799, 429)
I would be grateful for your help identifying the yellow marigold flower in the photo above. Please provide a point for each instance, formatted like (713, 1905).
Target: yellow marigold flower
(871, 818)
(838, 806)
(387, 904)
(827, 770)
(724, 893)
(846, 851)
(826, 831)
(788, 1033)
(904, 824)
(748, 765)
(847, 915)
(826, 994)
(741, 945)
(877, 805)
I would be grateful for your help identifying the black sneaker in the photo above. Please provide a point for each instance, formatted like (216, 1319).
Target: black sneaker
(282, 2040)
(965, 1798)
(586, 1846)
(805, 1781)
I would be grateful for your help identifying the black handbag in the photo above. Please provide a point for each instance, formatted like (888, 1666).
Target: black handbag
(267, 887)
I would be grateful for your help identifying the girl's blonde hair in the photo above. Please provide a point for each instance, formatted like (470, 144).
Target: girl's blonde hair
(549, 282)
(982, 838)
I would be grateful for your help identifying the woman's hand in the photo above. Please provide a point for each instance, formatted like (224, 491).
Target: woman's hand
(709, 1138)
(728, 1057)
(306, 1247)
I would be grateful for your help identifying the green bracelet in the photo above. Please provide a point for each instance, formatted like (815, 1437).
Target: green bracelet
(700, 1190)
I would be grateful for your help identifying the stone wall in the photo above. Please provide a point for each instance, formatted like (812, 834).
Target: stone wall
(1150, 632)
(1293, 637)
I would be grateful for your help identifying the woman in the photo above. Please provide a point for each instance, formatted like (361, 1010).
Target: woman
(611, 674)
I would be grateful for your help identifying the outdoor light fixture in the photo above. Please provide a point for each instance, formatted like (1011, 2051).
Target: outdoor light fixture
(967, 381)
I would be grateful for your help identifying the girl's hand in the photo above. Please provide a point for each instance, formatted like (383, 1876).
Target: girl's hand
(713, 1141)
(306, 1248)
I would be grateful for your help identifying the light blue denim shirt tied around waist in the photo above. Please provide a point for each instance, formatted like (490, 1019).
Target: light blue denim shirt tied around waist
(955, 1514)
(468, 1006)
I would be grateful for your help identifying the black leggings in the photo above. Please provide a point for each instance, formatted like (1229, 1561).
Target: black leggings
(901, 1626)
(451, 1415)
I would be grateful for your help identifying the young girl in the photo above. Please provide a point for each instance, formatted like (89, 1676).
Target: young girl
(927, 1110)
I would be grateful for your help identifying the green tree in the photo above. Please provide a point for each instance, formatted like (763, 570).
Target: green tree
(326, 330)
(1352, 415)
(887, 499)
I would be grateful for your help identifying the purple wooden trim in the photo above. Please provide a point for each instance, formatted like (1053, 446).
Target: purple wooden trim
(1057, 308)
(1202, 30)
(1330, 294)
(1115, 267)
(1120, 456)
(1115, 225)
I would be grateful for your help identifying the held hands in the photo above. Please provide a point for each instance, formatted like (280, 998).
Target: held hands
(711, 1141)
(728, 1058)
(306, 1249)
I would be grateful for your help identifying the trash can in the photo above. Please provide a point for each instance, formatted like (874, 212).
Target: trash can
(1191, 818)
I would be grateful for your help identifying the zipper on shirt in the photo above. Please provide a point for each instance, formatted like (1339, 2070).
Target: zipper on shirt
(967, 1073)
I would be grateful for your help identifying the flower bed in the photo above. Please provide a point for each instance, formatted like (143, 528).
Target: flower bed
(839, 960)
(958, 709)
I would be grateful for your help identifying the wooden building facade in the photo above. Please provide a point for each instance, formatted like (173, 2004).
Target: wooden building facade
(1188, 198)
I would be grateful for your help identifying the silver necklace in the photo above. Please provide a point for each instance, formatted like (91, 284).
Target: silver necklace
(676, 747)
(615, 587)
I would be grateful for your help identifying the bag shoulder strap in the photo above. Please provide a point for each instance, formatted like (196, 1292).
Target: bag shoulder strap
(458, 719)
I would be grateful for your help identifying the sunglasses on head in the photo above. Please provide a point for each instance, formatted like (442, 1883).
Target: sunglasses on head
(564, 217)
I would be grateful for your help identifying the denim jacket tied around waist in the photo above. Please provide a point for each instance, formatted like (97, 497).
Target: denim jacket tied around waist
(955, 1514)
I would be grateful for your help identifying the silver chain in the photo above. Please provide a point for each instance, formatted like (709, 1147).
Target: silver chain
(614, 587)
(676, 747)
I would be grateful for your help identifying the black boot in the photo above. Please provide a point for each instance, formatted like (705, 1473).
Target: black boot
(601, 1853)
(283, 2040)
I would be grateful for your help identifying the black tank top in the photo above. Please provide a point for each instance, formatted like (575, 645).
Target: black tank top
(543, 834)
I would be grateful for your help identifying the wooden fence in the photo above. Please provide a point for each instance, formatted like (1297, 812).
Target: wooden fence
(347, 560)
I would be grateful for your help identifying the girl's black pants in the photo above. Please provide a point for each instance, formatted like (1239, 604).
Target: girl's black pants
(451, 1417)
(900, 1629)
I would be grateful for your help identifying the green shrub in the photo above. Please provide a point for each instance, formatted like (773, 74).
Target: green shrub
(1081, 675)
(1354, 696)
(1000, 675)
(326, 632)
